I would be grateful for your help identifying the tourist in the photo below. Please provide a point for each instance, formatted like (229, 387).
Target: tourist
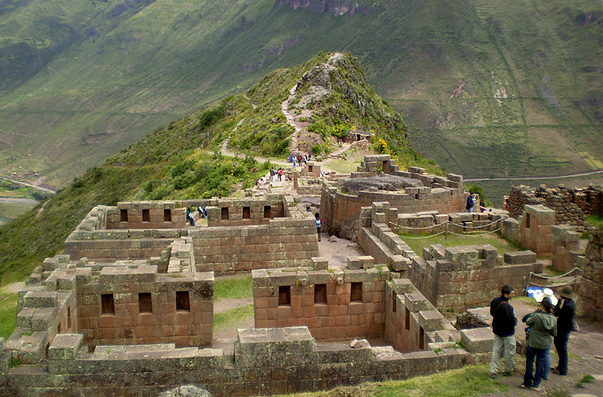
(189, 216)
(470, 203)
(565, 311)
(318, 224)
(272, 172)
(543, 326)
(503, 326)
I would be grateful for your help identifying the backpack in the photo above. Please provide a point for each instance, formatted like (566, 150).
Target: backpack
(318, 222)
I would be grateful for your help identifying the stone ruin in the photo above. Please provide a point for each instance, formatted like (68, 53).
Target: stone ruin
(128, 309)
(378, 179)
(571, 206)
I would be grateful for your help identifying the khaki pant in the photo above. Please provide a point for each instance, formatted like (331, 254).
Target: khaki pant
(503, 347)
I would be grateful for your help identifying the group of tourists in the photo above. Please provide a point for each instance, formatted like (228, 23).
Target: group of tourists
(550, 322)
(299, 159)
(276, 174)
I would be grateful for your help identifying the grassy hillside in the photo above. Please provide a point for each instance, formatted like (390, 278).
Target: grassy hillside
(182, 160)
(487, 88)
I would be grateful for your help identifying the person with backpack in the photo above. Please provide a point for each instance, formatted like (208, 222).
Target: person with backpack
(543, 327)
(503, 326)
(318, 224)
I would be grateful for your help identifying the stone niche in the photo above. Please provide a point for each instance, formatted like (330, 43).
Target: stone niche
(419, 192)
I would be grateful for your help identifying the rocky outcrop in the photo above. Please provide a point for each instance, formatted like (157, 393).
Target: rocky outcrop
(334, 7)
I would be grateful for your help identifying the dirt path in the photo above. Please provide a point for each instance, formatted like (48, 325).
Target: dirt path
(586, 358)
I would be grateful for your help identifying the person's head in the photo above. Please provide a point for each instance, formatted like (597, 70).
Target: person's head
(317, 215)
(546, 305)
(566, 292)
(507, 291)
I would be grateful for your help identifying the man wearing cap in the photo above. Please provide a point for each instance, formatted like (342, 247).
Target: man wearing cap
(565, 311)
(503, 326)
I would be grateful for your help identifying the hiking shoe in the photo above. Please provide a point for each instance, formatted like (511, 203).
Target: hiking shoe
(493, 375)
(523, 386)
(539, 388)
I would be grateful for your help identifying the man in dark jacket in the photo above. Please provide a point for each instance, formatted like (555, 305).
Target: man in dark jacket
(565, 311)
(503, 326)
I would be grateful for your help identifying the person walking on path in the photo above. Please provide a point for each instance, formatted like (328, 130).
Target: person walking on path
(543, 326)
(318, 224)
(565, 312)
(503, 326)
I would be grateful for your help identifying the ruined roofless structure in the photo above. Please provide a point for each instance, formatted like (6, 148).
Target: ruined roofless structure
(128, 309)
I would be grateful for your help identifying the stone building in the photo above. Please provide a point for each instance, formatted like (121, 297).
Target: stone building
(379, 180)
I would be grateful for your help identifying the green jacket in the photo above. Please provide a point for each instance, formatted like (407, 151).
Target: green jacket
(543, 326)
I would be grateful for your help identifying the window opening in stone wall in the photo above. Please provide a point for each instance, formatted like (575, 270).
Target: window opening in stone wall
(145, 304)
(406, 318)
(224, 215)
(167, 215)
(309, 168)
(421, 338)
(267, 211)
(123, 215)
(527, 221)
(183, 301)
(356, 292)
(394, 303)
(69, 316)
(146, 215)
(107, 304)
(59, 328)
(385, 167)
(284, 295)
(246, 213)
(320, 293)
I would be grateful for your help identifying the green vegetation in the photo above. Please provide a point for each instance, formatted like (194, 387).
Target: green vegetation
(233, 317)
(586, 379)
(234, 287)
(488, 96)
(342, 166)
(8, 314)
(417, 242)
(467, 381)
(596, 221)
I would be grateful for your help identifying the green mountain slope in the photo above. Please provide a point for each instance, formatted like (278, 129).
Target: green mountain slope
(487, 88)
(182, 160)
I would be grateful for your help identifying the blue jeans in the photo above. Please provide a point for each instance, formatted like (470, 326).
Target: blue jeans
(530, 379)
(561, 346)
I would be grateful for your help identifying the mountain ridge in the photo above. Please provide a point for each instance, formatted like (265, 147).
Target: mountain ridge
(485, 88)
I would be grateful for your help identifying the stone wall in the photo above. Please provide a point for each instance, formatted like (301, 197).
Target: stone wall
(145, 215)
(340, 210)
(468, 276)
(266, 362)
(124, 302)
(334, 304)
(281, 243)
(241, 235)
(591, 292)
(565, 243)
(570, 205)
(535, 229)
(456, 277)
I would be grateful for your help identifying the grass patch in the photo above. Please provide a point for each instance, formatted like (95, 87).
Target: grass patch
(417, 245)
(467, 381)
(596, 221)
(233, 317)
(234, 287)
(342, 166)
(8, 313)
(585, 379)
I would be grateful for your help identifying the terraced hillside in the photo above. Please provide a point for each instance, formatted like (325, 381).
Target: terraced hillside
(487, 88)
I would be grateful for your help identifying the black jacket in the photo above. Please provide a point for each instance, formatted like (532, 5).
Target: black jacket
(503, 317)
(565, 315)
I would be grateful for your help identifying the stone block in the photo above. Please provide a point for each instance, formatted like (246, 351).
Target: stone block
(40, 299)
(519, 257)
(477, 340)
(65, 346)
